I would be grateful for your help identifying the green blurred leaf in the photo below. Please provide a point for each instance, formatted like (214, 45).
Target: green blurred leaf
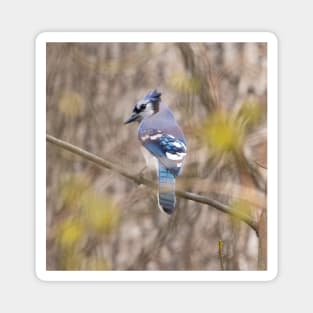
(69, 233)
(242, 207)
(70, 260)
(72, 189)
(102, 215)
(251, 112)
(95, 264)
(222, 132)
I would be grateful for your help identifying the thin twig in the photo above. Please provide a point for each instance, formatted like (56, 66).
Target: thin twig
(261, 165)
(221, 254)
(140, 180)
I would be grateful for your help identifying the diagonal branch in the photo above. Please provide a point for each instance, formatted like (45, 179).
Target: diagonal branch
(140, 180)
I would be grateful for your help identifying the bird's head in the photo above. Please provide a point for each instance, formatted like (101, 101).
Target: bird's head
(145, 107)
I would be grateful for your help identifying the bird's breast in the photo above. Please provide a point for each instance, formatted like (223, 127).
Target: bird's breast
(151, 161)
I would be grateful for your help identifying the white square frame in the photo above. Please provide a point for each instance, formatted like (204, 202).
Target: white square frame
(40, 154)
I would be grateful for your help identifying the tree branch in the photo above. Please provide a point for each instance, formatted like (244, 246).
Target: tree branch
(140, 180)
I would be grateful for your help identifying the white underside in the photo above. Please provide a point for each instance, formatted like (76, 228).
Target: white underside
(151, 161)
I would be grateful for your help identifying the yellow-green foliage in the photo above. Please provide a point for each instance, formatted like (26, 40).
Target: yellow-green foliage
(69, 232)
(241, 207)
(222, 132)
(71, 104)
(225, 131)
(89, 216)
(95, 264)
(73, 188)
(70, 260)
(100, 212)
(251, 112)
(184, 83)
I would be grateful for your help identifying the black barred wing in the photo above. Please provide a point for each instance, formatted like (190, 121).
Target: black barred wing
(169, 150)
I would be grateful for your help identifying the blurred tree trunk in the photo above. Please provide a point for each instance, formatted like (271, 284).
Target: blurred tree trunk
(262, 232)
(249, 177)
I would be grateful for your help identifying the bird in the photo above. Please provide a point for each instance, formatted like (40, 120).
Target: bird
(162, 137)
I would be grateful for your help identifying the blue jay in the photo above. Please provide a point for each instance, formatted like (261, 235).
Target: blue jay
(159, 133)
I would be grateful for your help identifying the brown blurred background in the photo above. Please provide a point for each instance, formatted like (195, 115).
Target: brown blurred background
(99, 220)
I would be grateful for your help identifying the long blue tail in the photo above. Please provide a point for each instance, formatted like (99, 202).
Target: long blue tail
(166, 190)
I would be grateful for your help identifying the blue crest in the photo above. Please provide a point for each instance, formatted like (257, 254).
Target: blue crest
(153, 96)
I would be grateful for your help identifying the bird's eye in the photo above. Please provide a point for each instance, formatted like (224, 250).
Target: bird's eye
(143, 106)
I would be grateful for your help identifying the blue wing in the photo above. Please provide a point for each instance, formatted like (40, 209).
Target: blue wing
(170, 151)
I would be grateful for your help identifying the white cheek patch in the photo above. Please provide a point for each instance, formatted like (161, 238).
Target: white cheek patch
(148, 111)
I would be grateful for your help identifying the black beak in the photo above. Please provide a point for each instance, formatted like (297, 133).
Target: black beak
(133, 117)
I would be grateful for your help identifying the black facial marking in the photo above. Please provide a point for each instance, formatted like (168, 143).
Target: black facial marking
(141, 107)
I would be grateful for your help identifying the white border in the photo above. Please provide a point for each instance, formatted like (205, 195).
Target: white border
(40, 155)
